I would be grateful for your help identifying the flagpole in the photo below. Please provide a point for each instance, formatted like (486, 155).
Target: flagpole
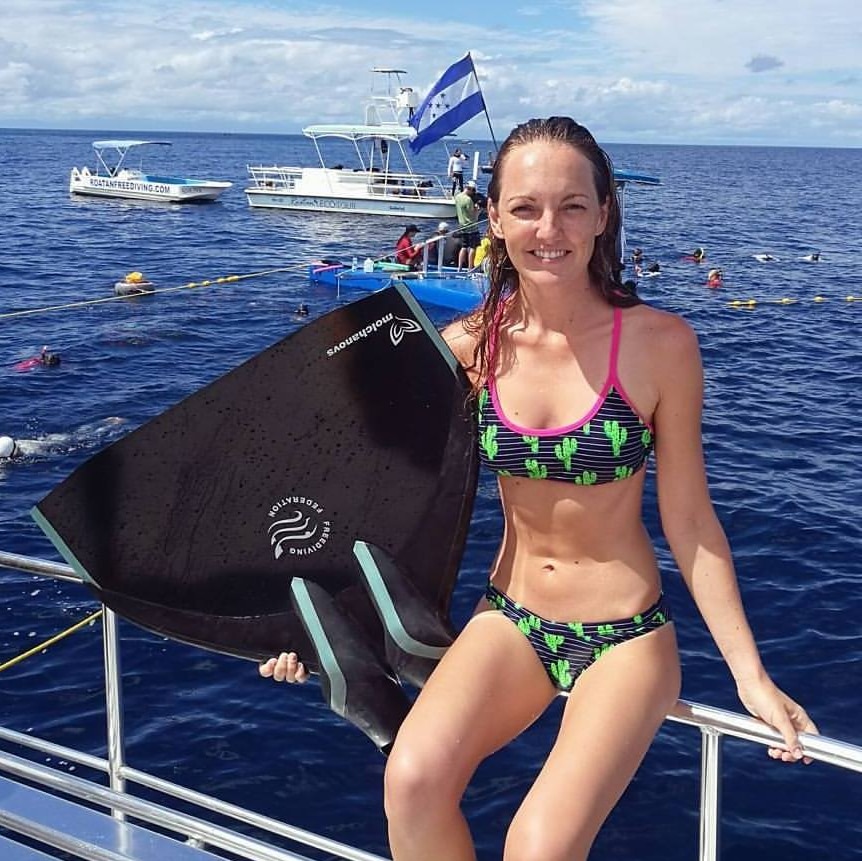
(484, 106)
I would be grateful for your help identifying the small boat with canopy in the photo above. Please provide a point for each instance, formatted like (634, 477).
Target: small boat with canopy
(114, 176)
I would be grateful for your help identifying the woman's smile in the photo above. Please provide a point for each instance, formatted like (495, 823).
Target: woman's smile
(549, 254)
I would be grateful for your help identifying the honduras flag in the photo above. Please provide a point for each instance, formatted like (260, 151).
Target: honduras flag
(453, 100)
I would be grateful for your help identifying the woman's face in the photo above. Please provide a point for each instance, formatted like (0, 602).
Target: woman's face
(548, 212)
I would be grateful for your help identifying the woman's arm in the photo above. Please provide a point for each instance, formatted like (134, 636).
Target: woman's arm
(697, 539)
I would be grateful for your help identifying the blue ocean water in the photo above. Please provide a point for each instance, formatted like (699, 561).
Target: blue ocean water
(782, 408)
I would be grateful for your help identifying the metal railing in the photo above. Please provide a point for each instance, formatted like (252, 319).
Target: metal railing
(714, 725)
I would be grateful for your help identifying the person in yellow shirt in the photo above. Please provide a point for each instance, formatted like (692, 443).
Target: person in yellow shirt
(480, 256)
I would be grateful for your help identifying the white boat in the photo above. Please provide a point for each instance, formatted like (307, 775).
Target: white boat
(381, 181)
(113, 177)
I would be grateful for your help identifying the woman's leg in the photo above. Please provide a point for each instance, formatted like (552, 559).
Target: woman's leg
(613, 713)
(488, 687)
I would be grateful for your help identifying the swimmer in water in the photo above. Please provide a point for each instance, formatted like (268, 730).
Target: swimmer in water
(45, 359)
(48, 359)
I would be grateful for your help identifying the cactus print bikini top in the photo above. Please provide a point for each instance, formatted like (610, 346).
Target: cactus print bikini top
(611, 442)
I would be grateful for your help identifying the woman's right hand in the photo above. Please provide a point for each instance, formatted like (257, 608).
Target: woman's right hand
(285, 668)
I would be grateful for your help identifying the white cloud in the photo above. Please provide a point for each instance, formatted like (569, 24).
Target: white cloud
(630, 69)
(840, 109)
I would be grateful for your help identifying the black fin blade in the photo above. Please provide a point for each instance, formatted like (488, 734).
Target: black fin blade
(416, 635)
(355, 685)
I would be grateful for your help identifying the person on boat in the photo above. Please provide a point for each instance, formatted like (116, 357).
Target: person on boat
(556, 326)
(444, 246)
(406, 252)
(467, 211)
(455, 170)
(714, 278)
(480, 258)
(557, 321)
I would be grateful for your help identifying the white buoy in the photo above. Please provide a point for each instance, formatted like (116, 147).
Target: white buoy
(8, 447)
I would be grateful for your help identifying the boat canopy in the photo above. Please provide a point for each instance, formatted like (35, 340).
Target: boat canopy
(351, 132)
(126, 144)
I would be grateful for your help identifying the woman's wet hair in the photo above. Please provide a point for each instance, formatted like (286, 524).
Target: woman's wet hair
(604, 268)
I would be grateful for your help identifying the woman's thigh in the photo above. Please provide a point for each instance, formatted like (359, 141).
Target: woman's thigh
(610, 719)
(488, 688)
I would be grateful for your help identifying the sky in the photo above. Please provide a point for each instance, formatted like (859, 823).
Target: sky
(744, 72)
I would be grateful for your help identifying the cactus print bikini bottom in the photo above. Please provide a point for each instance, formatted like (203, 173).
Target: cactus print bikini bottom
(566, 649)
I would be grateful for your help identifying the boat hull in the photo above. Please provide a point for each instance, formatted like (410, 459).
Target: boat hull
(402, 207)
(144, 187)
(444, 289)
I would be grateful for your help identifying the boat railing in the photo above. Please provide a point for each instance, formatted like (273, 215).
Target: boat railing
(405, 183)
(332, 180)
(216, 827)
(274, 177)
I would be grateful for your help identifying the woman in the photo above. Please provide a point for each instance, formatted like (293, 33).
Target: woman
(406, 252)
(576, 383)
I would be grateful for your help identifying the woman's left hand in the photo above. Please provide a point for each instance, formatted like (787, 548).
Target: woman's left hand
(766, 701)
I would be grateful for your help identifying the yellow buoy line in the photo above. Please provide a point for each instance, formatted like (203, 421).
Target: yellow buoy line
(816, 300)
(209, 282)
(50, 641)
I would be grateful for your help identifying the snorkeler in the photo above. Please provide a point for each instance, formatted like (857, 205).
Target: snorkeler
(45, 359)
